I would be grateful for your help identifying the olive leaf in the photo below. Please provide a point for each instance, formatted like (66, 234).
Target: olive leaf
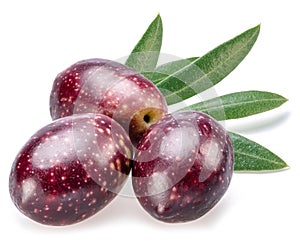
(185, 78)
(250, 156)
(145, 54)
(239, 104)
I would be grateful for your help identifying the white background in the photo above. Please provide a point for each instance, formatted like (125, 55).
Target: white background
(41, 38)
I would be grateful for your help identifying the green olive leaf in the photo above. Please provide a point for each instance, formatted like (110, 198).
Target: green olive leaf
(250, 156)
(239, 104)
(145, 54)
(185, 78)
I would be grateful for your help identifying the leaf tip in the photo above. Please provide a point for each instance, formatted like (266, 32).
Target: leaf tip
(285, 166)
(282, 99)
(257, 28)
(158, 18)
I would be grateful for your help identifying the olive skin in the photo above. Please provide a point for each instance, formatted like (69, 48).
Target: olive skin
(183, 166)
(70, 169)
(110, 88)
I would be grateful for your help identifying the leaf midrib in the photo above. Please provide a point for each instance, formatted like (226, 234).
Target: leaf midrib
(151, 45)
(207, 74)
(258, 157)
(241, 103)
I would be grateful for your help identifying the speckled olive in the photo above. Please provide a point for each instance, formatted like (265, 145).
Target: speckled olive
(110, 88)
(70, 169)
(183, 166)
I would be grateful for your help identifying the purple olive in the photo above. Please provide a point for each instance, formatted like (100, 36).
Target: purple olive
(110, 88)
(70, 169)
(183, 166)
